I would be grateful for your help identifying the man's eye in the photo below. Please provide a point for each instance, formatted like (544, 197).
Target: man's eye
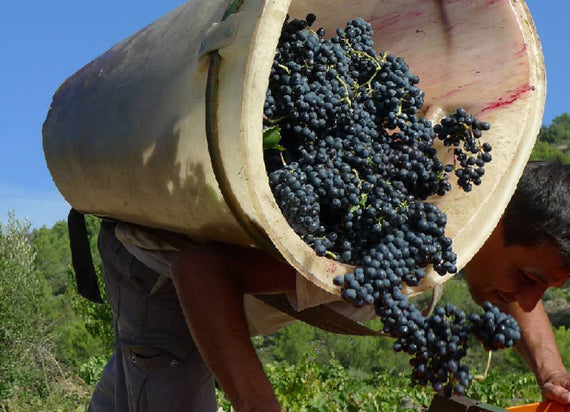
(525, 277)
(530, 279)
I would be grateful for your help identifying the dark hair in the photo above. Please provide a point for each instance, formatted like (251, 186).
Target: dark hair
(540, 207)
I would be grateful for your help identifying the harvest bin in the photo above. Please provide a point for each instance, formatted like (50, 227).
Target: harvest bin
(158, 132)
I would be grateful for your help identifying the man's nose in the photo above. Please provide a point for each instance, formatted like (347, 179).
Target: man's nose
(529, 297)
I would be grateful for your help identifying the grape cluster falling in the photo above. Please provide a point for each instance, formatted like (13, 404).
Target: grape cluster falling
(351, 162)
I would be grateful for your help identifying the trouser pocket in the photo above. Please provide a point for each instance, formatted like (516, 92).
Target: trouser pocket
(168, 380)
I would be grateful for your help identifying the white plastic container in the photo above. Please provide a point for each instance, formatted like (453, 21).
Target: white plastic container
(126, 136)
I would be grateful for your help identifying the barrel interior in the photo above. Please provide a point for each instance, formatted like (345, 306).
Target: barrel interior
(481, 55)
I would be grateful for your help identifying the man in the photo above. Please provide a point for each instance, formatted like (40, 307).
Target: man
(528, 252)
(157, 365)
(528, 256)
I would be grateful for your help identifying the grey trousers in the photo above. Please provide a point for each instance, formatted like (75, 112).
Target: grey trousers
(156, 365)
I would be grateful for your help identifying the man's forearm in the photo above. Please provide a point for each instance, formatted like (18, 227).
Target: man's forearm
(537, 345)
(211, 283)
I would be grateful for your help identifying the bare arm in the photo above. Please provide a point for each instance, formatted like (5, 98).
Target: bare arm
(211, 281)
(538, 348)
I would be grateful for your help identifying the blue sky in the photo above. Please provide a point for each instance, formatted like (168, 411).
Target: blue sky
(44, 42)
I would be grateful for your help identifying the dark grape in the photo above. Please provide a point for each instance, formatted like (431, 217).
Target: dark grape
(461, 131)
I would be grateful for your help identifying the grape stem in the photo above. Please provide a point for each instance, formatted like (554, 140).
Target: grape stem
(287, 70)
(331, 255)
(488, 364)
(274, 121)
(347, 97)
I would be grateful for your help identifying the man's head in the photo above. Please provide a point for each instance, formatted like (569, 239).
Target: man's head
(529, 250)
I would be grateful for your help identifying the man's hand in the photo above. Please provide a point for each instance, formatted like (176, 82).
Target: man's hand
(556, 387)
(538, 348)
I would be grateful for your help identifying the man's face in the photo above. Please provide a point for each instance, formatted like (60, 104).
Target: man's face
(501, 274)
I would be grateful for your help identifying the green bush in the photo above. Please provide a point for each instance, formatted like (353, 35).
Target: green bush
(562, 336)
(26, 345)
(312, 386)
(40, 336)
(92, 370)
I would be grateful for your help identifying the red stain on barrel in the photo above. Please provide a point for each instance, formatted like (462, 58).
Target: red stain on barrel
(515, 95)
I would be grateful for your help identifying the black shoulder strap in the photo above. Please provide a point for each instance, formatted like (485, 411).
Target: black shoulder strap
(81, 257)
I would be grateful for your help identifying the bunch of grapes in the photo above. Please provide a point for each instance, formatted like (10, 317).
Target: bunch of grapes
(461, 131)
(351, 171)
(494, 329)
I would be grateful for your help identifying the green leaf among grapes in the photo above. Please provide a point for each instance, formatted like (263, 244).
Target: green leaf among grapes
(361, 203)
(272, 138)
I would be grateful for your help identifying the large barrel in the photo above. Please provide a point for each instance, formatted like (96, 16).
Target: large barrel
(165, 128)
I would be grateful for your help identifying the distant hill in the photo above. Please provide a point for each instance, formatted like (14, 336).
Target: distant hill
(553, 141)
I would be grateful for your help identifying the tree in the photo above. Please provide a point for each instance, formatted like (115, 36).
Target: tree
(53, 256)
(553, 141)
(51, 247)
(558, 132)
(47, 341)
(26, 345)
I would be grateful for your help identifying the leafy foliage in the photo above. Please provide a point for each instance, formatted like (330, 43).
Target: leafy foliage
(313, 386)
(553, 141)
(272, 138)
(44, 339)
(558, 132)
(562, 336)
(92, 370)
(26, 345)
(53, 256)
(545, 151)
(506, 389)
